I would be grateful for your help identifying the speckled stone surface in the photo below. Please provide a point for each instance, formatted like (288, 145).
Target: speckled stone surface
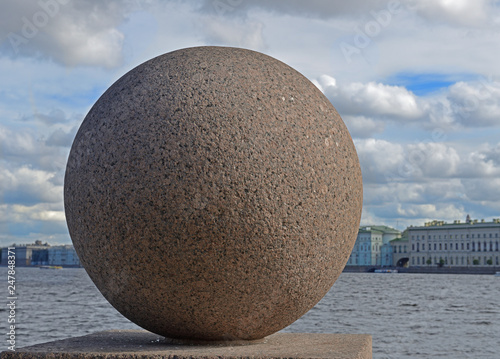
(213, 193)
(122, 344)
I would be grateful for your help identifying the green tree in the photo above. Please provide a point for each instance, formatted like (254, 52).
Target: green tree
(489, 262)
(475, 262)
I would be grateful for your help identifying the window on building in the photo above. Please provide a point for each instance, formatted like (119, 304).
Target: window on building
(467, 236)
(456, 246)
(485, 246)
(446, 246)
(434, 237)
(484, 235)
(439, 237)
(404, 249)
(496, 235)
(462, 260)
(440, 246)
(461, 236)
(496, 246)
(491, 235)
(423, 260)
(413, 260)
(418, 260)
(423, 246)
(496, 261)
(413, 246)
(472, 235)
(445, 236)
(435, 245)
(491, 246)
(479, 246)
(418, 247)
(473, 246)
(462, 246)
(429, 236)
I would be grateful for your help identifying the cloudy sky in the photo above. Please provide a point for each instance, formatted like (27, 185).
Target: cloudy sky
(416, 81)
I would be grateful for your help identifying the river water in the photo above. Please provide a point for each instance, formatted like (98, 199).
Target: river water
(408, 315)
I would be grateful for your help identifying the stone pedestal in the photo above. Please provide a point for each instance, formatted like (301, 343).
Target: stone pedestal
(142, 344)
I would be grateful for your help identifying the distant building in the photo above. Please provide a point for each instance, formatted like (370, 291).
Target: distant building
(63, 256)
(28, 254)
(372, 246)
(455, 244)
(38, 254)
(401, 250)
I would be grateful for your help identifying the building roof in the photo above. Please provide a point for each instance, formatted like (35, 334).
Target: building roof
(457, 224)
(378, 229)
(402, 239)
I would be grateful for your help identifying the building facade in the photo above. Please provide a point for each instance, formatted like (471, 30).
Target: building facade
(469, 243)
(39, 254)
(28, 254)
(372, 246)
(63, 256)
(401, 250)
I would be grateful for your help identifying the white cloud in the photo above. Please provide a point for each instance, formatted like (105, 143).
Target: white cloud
(380, 159)
(61, 138)
(97, 47)
(363, 127)
(17, 213)
(27, 147)
(464, 104)
(26, 185)
(76, 32)
(482, 163)
(435, 160)
(383, 161)
(483, 191)
(28, 223)
(476, 103)
(313, 8)
(459, 12)
(431, 211)
(371, 99)
(456, 12)
(237, 32)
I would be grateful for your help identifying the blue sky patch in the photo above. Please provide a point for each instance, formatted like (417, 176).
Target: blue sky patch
(426, 83)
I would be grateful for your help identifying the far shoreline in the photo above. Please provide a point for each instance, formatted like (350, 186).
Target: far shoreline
(427, 269)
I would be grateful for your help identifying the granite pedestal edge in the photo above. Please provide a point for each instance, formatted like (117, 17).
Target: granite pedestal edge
(123, 344)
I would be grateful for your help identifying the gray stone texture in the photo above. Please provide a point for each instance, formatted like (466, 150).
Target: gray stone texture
(213, 193)
(123, 344)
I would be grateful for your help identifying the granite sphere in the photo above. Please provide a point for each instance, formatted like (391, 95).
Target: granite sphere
(213, 193)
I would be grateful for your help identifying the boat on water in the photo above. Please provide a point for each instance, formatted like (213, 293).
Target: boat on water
(50, 267)
(386, 271)
(497, 274)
